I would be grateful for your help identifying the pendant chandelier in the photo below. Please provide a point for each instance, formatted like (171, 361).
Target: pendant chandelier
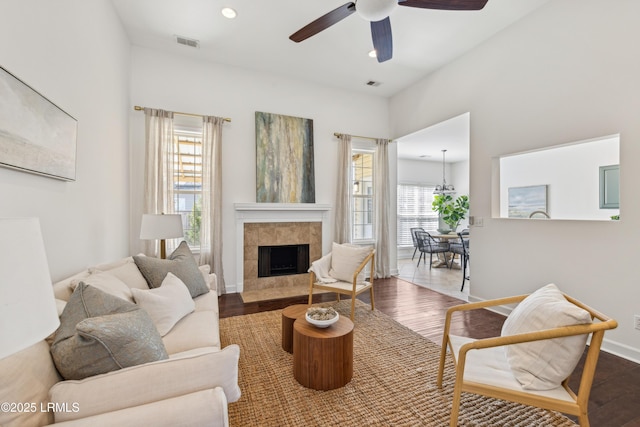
(444, 188)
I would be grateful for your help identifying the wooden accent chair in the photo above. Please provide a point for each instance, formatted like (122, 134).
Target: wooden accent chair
(484, 366)
(343, 279)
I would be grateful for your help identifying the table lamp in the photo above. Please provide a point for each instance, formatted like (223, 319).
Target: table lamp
(161, 226)
(28, 311)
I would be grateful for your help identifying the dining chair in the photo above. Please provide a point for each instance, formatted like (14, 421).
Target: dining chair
(413, 231)
(461, 248)
(429, 245)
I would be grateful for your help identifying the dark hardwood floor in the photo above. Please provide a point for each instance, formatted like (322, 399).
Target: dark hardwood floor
(615, 395)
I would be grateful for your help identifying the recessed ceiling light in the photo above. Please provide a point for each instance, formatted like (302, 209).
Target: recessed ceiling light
(373, 54)
(229, 13)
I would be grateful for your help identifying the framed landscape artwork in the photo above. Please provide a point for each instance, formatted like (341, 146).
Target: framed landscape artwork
(525, 200)
(284, 158)
(36, 135)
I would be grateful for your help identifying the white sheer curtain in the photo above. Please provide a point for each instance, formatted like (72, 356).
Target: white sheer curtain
(382, 206)
(211, 219)
(158, 180)
(342, 226)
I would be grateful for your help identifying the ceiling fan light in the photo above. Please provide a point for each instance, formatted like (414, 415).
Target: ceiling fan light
(375, 10)
(373, 53)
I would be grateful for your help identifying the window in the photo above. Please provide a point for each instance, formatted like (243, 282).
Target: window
(362, 177)
(187, 176)
(414, 210)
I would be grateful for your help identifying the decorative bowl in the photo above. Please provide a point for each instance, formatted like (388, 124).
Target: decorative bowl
(321, 317)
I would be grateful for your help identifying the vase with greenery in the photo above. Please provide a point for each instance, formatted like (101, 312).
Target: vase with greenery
(451, 211)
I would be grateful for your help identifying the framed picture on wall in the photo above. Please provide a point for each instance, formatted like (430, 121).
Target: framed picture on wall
(523, 201)
(284, 158)
(610, 187)
(36, 135)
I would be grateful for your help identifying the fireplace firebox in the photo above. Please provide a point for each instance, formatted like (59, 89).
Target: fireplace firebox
(282, 260)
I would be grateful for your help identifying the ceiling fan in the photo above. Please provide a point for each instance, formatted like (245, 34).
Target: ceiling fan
(377, 12)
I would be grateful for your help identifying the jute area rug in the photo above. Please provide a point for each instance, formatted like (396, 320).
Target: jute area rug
(394, 381)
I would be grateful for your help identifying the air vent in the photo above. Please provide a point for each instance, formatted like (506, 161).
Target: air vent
(187, 42)
(372, 83)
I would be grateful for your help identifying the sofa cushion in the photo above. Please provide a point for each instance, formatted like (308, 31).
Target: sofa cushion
(25, 378)
(107, 283)
(180, 262)
(128, 273)
(543, 365)
(192, 371)
(100, 333)
(198, 329)
(345, 259)
(167, 304)
(201, 408)
(208, 301)
(62, 288)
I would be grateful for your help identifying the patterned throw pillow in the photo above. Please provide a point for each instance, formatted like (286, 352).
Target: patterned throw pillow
(181, 263)
(100, 333)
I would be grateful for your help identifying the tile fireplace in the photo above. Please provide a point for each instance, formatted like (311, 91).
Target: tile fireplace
(282, 226)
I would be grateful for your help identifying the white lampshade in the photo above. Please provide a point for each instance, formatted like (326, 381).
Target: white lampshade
(375, 10)
(161, 227)
(28, 311)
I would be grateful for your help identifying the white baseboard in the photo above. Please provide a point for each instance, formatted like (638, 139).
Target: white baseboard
(609, 346)
(231, 289)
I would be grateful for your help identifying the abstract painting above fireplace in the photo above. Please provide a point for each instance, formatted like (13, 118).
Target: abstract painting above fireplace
(284, 159)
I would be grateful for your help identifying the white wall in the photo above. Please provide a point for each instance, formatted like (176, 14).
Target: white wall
(427, 172)
(571, 173)
(76, 54)
(170, 82)
(567, 72)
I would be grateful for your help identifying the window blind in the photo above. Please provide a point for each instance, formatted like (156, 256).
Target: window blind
(414, 210)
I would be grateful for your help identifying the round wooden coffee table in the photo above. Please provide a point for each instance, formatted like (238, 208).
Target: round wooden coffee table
(289, 315)
(323, 358)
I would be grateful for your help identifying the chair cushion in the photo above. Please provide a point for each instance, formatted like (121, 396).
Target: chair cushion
(544, 364)
(180, 262)
(489, 366)
(100, 333)
(167, 304)
(345, 259)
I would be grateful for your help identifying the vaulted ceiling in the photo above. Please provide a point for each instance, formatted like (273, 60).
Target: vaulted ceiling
(258, 38)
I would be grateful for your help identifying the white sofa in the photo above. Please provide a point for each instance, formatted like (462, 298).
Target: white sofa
(190, 388)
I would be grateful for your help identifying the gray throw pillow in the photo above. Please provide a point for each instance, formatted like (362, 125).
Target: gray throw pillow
(180, 263)
(100, 333)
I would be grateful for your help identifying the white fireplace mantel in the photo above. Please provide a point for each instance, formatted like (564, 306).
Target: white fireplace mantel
(284, 207)
(277, 212)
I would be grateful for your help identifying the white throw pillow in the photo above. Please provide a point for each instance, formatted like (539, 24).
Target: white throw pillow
(543, 365)
(129, 274)
(166, 304)
(345, 259)
(107, 283)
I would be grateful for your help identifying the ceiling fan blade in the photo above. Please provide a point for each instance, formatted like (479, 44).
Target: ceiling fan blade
(382, 40)
(323, 22)
(445, 4)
